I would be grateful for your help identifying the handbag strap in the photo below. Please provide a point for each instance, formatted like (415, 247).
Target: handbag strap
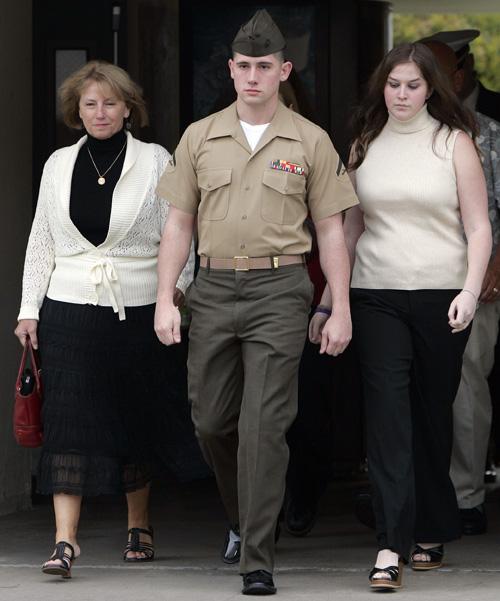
(28, 347)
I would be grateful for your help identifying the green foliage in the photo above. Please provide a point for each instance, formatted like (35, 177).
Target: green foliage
(486, 48)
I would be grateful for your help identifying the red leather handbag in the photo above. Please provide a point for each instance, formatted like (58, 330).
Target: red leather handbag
(28, 401)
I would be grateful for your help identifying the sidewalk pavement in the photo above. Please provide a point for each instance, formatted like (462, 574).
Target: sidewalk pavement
(332, 563)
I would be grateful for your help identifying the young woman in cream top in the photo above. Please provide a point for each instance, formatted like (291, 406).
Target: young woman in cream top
(414, 289)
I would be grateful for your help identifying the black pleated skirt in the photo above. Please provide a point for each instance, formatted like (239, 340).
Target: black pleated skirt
(103, 382)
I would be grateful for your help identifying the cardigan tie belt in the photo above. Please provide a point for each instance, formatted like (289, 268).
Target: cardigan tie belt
(103, 274)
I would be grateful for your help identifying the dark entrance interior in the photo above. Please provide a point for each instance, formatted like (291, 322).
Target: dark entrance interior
(179, 58)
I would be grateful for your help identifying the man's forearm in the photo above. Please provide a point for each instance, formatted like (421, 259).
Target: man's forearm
(334, 260)
(337, 272)
(174, 253)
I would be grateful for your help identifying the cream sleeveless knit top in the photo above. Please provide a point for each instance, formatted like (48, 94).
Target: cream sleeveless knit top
(407, 189)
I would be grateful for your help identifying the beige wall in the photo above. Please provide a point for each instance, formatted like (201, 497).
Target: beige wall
(16, 203)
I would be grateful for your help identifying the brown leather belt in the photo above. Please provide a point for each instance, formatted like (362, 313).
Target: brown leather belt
(248, 263)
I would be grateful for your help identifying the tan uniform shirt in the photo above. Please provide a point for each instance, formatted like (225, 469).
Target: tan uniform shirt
(255, 203)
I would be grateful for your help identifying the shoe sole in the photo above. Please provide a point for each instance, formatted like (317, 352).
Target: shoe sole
(424, 566)
(55, 571)
(384, 585)
(261, 589)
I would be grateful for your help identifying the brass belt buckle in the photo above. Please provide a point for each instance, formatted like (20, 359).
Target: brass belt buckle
(236, 268)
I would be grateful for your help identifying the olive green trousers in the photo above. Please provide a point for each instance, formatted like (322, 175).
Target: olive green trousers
(245, 342)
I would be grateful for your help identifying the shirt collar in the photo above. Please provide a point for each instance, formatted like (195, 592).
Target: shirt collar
(227, 123)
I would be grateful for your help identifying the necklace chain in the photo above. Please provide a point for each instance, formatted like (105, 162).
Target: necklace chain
(101, 179)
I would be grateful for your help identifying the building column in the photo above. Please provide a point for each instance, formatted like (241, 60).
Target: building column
(17, 202)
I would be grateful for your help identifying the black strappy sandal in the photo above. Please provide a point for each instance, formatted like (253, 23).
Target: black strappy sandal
(66, 559)
(435, 554)
(137, 546)
(393, 580)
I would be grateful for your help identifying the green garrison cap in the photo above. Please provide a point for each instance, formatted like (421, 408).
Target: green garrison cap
(259, 37)
(456, 40)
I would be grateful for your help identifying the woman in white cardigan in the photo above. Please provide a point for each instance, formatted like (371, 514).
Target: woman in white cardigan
(89, 289)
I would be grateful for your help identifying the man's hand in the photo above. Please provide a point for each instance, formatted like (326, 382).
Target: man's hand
(27, 328)
(334, 258)
(174, 252)
(336, 334)
(167, 323)
(491, 284)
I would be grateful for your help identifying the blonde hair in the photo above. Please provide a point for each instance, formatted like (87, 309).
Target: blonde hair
(101, 72)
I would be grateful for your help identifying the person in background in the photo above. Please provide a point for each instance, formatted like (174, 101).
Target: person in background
(88, 302)
(477, 98)
(310, 436)
(472, 406)
(414, 290)
(472, 92)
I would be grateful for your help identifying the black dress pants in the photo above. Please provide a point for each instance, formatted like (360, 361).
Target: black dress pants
(410, 365)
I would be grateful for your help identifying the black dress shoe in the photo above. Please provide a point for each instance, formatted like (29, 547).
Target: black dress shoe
(474, 521)
(231, 550)
(300, 518)
(259, 582)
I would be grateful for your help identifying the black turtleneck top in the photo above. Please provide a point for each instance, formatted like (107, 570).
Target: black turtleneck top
(90, 203)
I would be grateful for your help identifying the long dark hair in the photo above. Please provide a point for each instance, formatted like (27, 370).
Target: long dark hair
(371, 116)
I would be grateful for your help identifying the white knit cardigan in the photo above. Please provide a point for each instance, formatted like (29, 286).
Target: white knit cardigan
(121, 271)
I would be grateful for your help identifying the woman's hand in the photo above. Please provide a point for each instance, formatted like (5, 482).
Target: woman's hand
(316, 326)
(27, 328)
(461, 311)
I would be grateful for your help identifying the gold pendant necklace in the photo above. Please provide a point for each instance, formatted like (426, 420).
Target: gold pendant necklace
(101, 180)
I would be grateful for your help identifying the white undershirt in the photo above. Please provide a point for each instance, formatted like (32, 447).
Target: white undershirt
(253, 133)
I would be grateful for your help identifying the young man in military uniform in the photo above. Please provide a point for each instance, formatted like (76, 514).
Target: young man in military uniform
(250, 174)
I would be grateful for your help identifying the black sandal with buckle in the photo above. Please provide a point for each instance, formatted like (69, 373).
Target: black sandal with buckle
(136, 545)
(393, 580)
(64, 568)
(435, 554)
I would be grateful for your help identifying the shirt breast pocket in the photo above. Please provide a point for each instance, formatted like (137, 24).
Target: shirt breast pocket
(214, 186)
(283, 197)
